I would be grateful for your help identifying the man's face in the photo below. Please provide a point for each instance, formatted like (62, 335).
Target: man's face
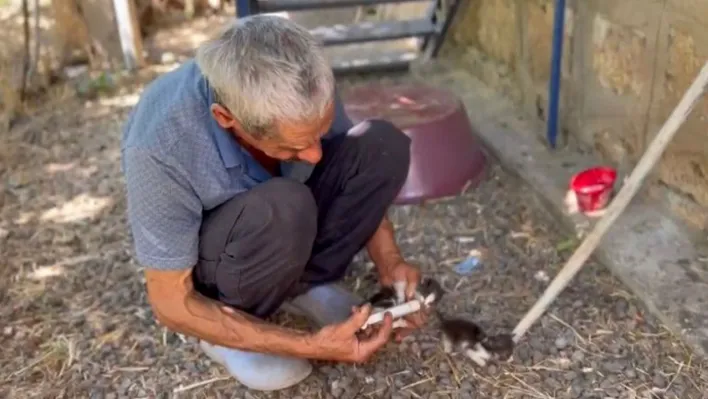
(294, 142)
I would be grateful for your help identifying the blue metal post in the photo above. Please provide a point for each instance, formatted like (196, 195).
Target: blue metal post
(555, 81)
(243, 8)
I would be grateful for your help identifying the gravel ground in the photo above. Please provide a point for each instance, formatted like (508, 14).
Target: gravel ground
(75, 322)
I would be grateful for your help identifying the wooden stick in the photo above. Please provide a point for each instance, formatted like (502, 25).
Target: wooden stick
(131, 41)
(26, 63)
(615, 209)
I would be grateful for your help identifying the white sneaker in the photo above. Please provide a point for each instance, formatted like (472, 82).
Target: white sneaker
(259, 371)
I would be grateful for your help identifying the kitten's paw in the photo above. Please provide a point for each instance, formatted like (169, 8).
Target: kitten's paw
(447, 345)
(478, 355)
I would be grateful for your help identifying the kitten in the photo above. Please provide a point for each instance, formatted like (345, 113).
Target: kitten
(470, 339)
(428, 292)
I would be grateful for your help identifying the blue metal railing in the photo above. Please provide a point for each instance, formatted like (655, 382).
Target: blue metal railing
(555, 80)
(245, 8)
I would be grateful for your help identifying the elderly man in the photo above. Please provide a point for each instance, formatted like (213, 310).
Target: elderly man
(249, 189)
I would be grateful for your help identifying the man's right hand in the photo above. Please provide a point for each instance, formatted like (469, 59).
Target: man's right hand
(343, 342)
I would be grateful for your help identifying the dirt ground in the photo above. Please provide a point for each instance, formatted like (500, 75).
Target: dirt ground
(76, 324)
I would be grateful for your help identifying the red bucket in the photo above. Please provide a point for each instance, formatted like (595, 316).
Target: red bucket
(593, 188)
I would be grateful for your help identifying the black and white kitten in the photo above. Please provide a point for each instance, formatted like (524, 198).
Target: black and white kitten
(428, 292)
(467, 337)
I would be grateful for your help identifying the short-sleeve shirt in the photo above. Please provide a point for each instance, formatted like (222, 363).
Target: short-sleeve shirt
(178, 162)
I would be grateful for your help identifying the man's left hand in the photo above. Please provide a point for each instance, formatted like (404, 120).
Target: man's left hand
(410, 275)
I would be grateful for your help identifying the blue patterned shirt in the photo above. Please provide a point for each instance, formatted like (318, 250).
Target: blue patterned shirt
(178, 162)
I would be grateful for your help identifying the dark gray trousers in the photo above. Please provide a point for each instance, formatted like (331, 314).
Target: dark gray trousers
(282, 237)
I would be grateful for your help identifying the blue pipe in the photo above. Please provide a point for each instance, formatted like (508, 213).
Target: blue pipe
(555, 81)
(243, 8)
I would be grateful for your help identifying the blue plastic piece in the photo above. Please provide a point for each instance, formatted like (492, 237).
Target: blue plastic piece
(555, 81)
(467, 266)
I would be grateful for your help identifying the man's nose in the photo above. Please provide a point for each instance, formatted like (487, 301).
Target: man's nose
(311, 155)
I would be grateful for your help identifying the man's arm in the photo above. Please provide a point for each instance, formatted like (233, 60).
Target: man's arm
(165, 218)
(382, 248)
(179, 307)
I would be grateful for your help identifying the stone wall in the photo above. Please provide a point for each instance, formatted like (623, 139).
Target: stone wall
(626, 65)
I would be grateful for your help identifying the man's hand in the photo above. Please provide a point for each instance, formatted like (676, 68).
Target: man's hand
(343, 342)
(393, 269)
(409, 275)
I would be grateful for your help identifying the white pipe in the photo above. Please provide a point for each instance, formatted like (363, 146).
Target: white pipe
(397, 312)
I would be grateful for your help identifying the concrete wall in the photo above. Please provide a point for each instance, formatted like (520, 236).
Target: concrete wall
(626, 65)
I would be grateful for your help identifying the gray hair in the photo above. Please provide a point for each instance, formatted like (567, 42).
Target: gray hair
(266, 69)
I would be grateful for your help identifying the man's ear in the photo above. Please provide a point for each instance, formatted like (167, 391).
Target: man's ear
(223, 117)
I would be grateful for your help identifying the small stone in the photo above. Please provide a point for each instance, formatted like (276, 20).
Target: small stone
(537, 356)
(524, 354)
(621, 307)
(536, 343)
(630, 373)
(381, 385)
(570, 375)
(615, 348)
(553, 383)
(576, 389)
(466, 386)
(3, 234)
(7, 331)
(345, 382)
(613, 366)
(191, 367)
(564, 363)
(492, 369)
(444, 367)
(428, 345)
(330, 372)
(337, 392)
(578, 357)
(561, 342)
(659, 381)
(123, 387)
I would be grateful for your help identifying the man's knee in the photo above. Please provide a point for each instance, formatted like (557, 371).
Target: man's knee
(275, 219)
(269, 246)
(391, 145)
(287, 212)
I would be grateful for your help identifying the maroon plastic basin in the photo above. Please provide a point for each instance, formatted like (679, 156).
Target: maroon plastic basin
(446, 156)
